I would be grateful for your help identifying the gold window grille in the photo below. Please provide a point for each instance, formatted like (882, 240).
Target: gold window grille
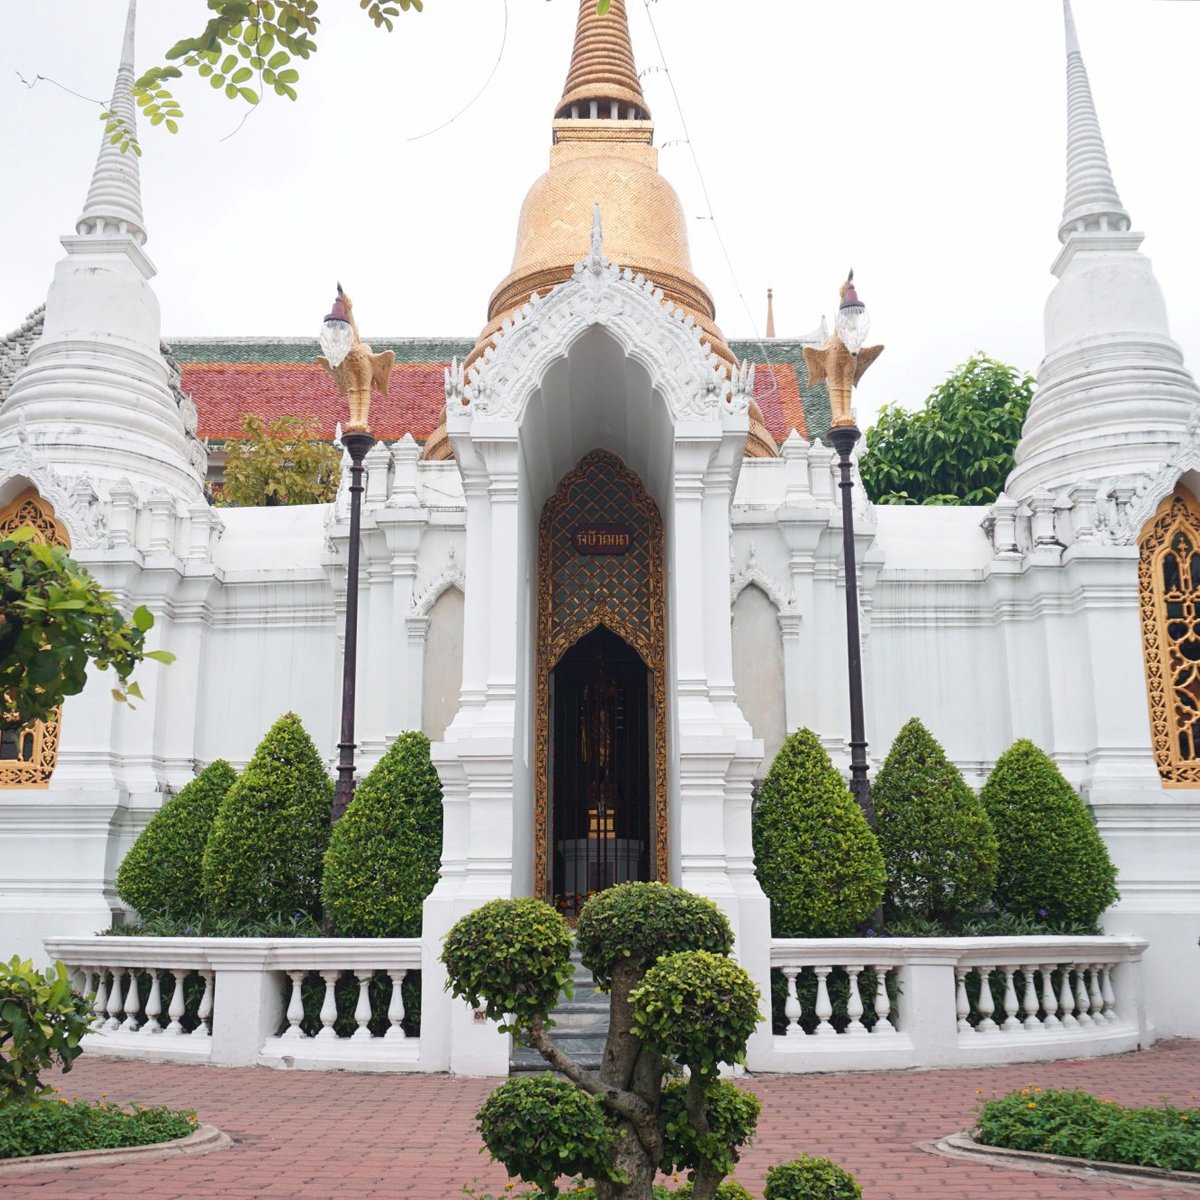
(1169, 594)
(28, 753)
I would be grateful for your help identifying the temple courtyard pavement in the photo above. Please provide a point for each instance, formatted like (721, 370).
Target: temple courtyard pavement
(318, 1136)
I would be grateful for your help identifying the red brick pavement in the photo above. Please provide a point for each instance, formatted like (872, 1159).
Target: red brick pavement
(319, 1136)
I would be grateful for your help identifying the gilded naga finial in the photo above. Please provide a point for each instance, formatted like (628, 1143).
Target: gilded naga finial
(351, 362)
(843, 359)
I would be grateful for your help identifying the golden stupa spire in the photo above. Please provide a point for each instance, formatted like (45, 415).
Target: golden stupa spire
(602, 81)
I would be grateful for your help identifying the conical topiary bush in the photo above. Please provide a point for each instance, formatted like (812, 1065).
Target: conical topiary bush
(385, 851)
(268, 842)
(938, 846)
(817, 859)
(160, 876)
(1054, 865)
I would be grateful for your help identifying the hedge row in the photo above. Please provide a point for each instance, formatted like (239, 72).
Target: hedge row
(1026, 847)
(256, 847)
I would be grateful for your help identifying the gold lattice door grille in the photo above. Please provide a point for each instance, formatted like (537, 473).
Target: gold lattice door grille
(28, 752)
(579, 592)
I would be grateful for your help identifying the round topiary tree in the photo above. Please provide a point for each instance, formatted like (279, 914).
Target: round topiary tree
(268, 841)
(938, 845)
(816, 857)
(676, 1000)
(1054, 866)
(384, 852)
(807, 1178)
(161, 876)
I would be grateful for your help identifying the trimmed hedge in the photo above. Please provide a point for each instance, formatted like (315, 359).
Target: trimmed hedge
(385, 851)
(1054, 866)
(268, 841)
(817, 859)
(160, 877)
(56, 1127)
(807, 1178)
(938, 845)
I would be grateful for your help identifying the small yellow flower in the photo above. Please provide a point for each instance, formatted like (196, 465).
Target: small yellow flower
(1037, 1091)
(1031, 1104)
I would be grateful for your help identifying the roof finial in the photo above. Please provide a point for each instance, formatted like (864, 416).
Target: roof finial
(770, 312)
(1092, 203)
(602, 82)
(114, 201)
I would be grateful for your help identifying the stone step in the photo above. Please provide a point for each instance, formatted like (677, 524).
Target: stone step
(580, 1025)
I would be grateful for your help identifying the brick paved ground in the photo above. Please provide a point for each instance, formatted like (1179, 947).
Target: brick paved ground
(369, 1137)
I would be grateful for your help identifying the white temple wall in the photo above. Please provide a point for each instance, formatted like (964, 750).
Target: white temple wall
(758, 670)
(443, 664)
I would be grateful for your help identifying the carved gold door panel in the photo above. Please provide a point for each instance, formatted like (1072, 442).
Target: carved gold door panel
(600, 740)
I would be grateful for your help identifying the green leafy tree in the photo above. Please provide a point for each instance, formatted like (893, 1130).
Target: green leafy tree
(938, 845)
(816, 857)
(283, 463)
(807, 1178)
(958, 449)
(55, 618)
(1054, 865)
(385, 851)
(267, 844)
(160, 877)
(41, 1022)
(677, 1000)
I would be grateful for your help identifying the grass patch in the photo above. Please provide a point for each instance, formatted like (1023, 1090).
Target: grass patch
(57, 1126)
(1080, 1125)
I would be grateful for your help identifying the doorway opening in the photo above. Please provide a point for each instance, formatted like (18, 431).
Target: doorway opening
(602, 776)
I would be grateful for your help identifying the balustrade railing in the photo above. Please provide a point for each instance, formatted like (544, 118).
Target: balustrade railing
(873, 1002)
(302, 1002)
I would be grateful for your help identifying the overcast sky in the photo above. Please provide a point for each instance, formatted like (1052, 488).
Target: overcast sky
(921, 143)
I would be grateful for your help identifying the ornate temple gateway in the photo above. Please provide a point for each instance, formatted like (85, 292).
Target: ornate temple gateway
(602, 569)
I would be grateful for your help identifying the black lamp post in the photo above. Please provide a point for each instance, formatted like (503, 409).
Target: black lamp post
(356, 370)
(842, 361)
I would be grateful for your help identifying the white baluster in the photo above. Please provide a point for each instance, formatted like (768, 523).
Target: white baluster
(791, 1006)
(962, 1003)
(1094, 994)
(1029, 1002)
(176, 1008)
(1082, 1002)
(1049, 1003)
(396, 1006)
(1010, 1002)
(133, 1004)
(854, 1006)
(153, 1004)
(985, 1003)
(295, 1008)
(204, 1012)
(362, 1010)
(100, 1004)
(87, 988)
(883, 1003)
(1066, 999)
(328, 1006)
(1106, 990)
(824, 1009)
(115, 1005)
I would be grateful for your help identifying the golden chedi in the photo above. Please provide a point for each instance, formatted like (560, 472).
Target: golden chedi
(603, 153)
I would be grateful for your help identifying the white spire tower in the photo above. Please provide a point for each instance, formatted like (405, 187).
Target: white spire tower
(94, 397)
(1114, 398)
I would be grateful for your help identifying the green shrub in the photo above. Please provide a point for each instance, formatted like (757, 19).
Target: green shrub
(807, 1178)
(41, 1022)
(268, 841)
(729, 1190)
(817, 859)
(636, 923)
(697, 1008)
(512, 957)
(938, 846)
(540, 1128)
(1078, 1124)
(732, 1115)
(160, 876)
(58, 1127)
(1053, 863)
(385, 851)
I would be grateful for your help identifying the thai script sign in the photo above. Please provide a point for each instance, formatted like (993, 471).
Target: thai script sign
(602, 539)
